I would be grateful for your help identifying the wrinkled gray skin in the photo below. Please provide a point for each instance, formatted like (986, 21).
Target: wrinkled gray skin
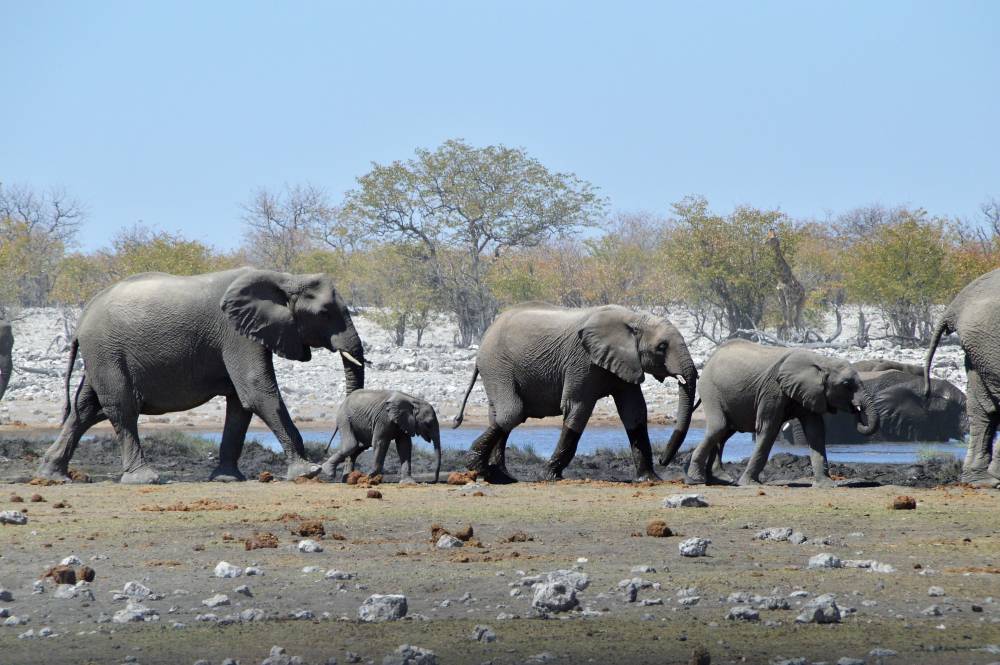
(6, 355)
(877, 365)
(540, 360)
(975, 315)
(904, 414)
(157, 343)
(747, 387)
(376, 418)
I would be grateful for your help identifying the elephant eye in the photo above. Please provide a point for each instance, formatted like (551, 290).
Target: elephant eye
(662, 346)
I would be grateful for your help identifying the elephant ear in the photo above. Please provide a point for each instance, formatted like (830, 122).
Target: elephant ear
(259, 307)
(401, 413)
(802, 379)
(611, 342)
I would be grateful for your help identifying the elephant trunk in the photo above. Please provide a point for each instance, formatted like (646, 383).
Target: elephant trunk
(685, 405)
(352, 353)
(6, 368)
(437, 450)
(866, 413)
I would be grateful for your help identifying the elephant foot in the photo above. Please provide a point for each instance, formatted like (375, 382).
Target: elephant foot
(719, 476)
(328, 470)
(824, 482)
(407, 480)
(302, 468)
(647, 477)
(552, 474)
(694, 477)
(980, 479)
(474, 462)
(227, 474)
(53, 472)
(497, 475)
(747, 481)
(144, 475)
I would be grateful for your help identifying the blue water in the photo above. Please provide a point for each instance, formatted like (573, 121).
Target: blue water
(543, 441)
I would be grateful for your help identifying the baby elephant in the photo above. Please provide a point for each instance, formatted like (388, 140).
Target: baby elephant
(374, 418)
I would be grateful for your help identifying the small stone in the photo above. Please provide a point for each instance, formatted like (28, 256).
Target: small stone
(137, 591)
(694, 547)
(227, 570)
(483, 634)
(448, 541)
(935, 591)
(243, 590)
(554, 597)
(821, 609)
(743, 613)
(338, 575)
(312, 569)
(378, 607)
(71, 560)
(410, 655)
(5, 595)
(13, 517)
(309, 546)
(932, 611)
(688, 601)
(685, 501)
(851, 661)
(579, 581)
(643, 569)
(773, 603)
(250, 571)
(217, 600)
(825, 560)
(797, 538)
(252, 614)
(134, 612)
(879, 652)
(778, 534)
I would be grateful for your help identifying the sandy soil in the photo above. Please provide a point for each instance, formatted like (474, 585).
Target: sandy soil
(118, 531)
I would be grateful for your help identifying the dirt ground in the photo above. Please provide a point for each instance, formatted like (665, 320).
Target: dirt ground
(952, 540)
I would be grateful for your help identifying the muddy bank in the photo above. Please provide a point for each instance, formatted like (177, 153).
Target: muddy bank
(181, 457)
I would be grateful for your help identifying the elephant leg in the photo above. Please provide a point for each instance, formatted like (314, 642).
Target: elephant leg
(767, 432)
(498, 458)
(124, 417)
(481, 452)
(381, 448)
(349, 450)
(271, 409)
(631, 407)
(982, 430)
(717, 432)
(234, 433)
(404, 449)
(815, 433)
(574, 422)
(717, 474)
(85, 412)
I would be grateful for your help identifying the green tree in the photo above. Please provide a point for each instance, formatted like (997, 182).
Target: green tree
(140, 249)
(723, 262)
(80, 276)
(464, 207)
(903, 268)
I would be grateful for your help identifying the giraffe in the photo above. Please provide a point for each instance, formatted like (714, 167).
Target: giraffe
(791, 294)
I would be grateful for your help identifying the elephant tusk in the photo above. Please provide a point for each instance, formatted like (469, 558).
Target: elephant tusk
(351, 358)
(785, 426)
(680, 380)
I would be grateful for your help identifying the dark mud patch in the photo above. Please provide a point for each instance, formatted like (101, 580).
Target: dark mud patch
(182, 457)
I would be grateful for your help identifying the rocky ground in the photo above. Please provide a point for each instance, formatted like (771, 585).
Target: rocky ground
(437, 370)
(569, 572)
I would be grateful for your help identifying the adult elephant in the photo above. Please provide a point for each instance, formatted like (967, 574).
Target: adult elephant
(880, 365)
(975, 315)
(6, 355)
(541, 360)
(157, 343)
(376, 418)
(747, 387)
(904, 413)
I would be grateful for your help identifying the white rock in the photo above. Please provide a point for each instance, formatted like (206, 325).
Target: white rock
(935, 591)
(309, 546)
(410, 655)
(579, 581)
(13, 517)
(226, 569)
(693, 547)
(71, 560)
(251, 571)
(217, 600)
(685, 501)
(378, 607)
(338, 575)
(448, 541)
(135, 612)
(554, 597)
(742, 613)
(483, 634)
(137, 591)
(778, 534)
(825, 560)
(821, 609)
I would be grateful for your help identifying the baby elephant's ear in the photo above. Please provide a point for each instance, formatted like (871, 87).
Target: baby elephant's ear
(401, 413)
(803, 377)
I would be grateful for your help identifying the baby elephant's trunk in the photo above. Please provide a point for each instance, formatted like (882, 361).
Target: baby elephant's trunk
(866, 414)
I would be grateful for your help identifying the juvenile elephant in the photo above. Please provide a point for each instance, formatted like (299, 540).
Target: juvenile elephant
(540, 360)
(369, 418)
(6, 355)
(904, 413)
(975, 315)
(747, 387)
(157, 343)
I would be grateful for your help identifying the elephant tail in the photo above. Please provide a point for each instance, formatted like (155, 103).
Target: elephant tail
(943, 327)
(332, 437)
(461, 412)
(73, 348)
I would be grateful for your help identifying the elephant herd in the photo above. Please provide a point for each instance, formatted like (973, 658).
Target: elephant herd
(157, 343)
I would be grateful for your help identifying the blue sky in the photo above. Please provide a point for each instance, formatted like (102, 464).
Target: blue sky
(174, 113)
